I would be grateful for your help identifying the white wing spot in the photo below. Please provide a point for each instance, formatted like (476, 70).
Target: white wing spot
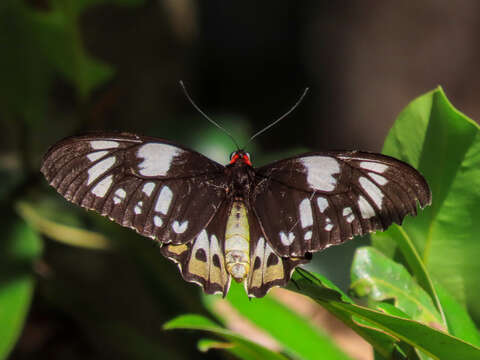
(96, 155)
(365, 208)
(164, 199)
(308, 235)
(119, 195)
(157, 158)
(378, 178)
(320, 171)
(287, 240)
(148, 188)
(306, 216)
(372, 190)
(157, 220)
(179, 228)
(322, 203)
(329, 225)
(373, 166)
(348, 213)
(99, 168)
(103, 144)
(201, 242)
(138, 208)
(102, 187)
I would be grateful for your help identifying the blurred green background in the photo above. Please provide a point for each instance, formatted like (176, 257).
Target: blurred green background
(98, 291)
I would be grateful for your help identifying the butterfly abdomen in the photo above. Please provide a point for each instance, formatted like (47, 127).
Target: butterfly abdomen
(237, 242)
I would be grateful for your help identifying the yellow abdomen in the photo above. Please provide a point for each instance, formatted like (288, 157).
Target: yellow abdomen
(237, 240)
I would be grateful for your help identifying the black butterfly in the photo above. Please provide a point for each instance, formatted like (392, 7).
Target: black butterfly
(216, 222)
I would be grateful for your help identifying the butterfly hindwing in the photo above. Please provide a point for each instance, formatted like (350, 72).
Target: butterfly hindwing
(202, 260)
(160, 189)
(267, 269)
(309, 202)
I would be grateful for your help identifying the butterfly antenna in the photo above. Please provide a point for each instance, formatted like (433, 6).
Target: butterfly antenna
(205, 115)
(281, 117)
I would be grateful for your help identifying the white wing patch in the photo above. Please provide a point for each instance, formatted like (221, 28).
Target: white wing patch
(378, 178)
(138, 208)
(157, 158)
(320, 171)
(365, 208)
(103, 144)
(329, 225)
(96, 155)
(98, 169)
(287, 239)
(164, 199)
(157, 220)
(373, 166)
(348, 213)
(322, 204)
(102, 187)
(306, 215)
(201, 242)
(119, 195)
(148, 188)
(372, 190)
(179, 228)
(308, 235)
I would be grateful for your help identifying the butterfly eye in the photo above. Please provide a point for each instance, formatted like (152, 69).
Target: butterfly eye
(234, 157)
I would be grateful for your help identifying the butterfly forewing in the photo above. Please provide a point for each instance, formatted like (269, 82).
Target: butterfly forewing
(312, 201)
(161, 190)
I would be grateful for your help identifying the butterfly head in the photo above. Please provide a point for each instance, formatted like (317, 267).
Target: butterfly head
(240, 156)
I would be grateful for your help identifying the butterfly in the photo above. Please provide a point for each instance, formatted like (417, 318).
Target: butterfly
(218, 222)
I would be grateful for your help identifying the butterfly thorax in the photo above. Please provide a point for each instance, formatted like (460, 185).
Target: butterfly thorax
(241, 175)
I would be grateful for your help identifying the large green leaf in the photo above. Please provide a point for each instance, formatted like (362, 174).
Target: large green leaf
(444, 145)
(239, 346)
(459, 322)
(19, 247)
(293, 332)
(435, 343)
(378, 277)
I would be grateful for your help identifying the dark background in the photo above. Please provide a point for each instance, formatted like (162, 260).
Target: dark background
(245, 63)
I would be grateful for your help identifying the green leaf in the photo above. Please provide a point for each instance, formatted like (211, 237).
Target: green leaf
(376, 276)
(324, 289)
(19, 248)
(432, 342)
(459, 322)
(72, 236)
(444, 145)
(244, 346)
(414, 262)
(240, 352)
(293, 332)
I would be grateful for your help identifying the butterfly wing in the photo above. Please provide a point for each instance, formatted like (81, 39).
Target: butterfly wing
(267, 269)
(309, 202)
(202, 261)
(160, 189)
